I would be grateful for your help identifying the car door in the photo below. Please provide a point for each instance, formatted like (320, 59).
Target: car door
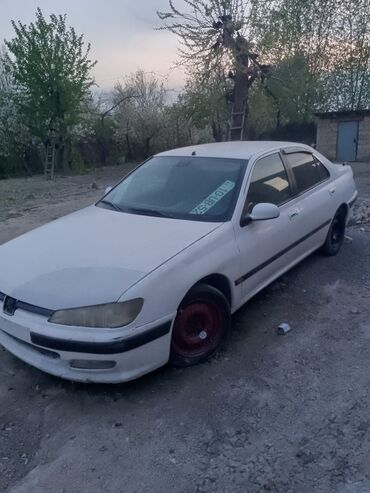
(266, 246)
(313, 201)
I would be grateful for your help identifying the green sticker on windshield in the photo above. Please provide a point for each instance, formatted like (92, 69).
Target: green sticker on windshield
(215, 197)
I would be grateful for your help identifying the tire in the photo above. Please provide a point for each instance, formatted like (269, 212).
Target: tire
(335, 237)
(201, 326)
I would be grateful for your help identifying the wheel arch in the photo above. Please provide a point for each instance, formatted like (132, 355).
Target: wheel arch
(220, 282)
(344, 208)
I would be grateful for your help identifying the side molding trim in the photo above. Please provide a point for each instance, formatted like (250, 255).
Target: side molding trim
(280, 254)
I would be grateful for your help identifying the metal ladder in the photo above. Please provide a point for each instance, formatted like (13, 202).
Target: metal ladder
(49, 162)
(237, 121)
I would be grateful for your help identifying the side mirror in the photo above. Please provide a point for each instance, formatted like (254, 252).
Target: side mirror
(107, 190)
(260, 212)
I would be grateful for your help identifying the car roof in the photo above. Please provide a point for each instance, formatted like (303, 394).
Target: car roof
(236, 150)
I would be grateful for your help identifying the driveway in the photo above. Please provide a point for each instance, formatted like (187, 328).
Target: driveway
(268, 413)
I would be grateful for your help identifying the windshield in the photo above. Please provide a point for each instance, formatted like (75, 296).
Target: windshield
(194, 188)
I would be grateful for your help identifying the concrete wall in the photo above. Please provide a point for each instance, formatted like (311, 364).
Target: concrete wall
(326, 137)
(363, 147)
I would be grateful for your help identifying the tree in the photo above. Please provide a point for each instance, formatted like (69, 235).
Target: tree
(205, 105)
(214, 34)
(205, 31)
(140, 118)
(296, 90)
(315, 55)
(177, 128)
(15, 139)
(6, 82)
(347, 83)
(51, 68)
(330, 41)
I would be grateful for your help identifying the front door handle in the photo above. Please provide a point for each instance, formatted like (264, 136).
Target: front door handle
(293, 214)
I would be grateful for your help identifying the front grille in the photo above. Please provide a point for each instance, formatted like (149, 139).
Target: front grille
(27, 307)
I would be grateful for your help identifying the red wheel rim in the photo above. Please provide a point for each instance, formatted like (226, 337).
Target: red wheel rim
(198, 329)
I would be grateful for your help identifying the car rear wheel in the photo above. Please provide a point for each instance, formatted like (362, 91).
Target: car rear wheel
(335, 237)
(201, 325)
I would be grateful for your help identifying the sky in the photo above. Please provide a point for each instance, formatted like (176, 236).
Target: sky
(121, 33)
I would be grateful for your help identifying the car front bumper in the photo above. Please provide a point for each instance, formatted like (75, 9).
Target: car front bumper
(99, 356)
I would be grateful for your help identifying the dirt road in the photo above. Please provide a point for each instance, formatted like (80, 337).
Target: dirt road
(268, 413)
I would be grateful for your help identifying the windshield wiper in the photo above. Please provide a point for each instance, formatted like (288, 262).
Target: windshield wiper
(111, 205)
(148, 212)
(134, 210)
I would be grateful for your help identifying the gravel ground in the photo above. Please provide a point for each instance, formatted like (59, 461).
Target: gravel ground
(268, 413)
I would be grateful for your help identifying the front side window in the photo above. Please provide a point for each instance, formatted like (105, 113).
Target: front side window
(308, 171)
(269, 182)
(194, 188)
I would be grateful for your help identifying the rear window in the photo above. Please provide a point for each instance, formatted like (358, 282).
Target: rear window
(307, 169)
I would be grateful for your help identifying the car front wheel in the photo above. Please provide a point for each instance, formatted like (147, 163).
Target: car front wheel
(201, 325)
(335, 237)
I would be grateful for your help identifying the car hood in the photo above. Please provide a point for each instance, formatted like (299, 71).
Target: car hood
(91, 256)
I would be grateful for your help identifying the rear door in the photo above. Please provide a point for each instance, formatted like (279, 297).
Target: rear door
(313, 199)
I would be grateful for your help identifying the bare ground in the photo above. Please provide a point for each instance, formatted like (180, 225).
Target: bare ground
(268, 413)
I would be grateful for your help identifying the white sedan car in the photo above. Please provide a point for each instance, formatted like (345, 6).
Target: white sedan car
(153, 271)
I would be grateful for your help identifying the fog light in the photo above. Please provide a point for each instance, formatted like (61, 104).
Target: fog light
(87, 364)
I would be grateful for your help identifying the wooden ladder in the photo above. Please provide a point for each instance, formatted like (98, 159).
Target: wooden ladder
(49, 162)
(237, 121)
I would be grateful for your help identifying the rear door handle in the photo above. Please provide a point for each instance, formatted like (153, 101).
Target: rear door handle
(332, 190)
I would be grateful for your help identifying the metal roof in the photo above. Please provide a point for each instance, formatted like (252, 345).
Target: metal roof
(344, 113)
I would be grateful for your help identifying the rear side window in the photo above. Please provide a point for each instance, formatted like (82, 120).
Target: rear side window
(308, 171)
(269, 182)
(323, 172)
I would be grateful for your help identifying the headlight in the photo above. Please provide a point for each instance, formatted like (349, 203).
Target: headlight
(110, 316)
